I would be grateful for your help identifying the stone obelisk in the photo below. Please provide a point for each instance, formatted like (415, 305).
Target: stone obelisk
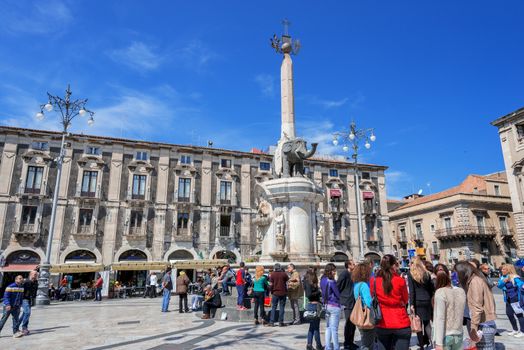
(287, 230)
(287, 102)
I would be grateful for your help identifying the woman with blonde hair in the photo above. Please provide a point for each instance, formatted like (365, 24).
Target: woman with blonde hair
(260, 284)
(511, 284)
(421, 292)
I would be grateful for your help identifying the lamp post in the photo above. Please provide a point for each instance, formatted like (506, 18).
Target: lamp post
(352, 139)
(68, 110)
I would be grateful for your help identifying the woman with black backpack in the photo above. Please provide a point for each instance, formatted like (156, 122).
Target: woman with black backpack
(312, 293)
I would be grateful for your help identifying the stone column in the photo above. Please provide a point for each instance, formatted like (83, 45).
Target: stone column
(161, 205)
(245, 204)
(205, 203)
(352, 214)
(7, 166)
(519, 234)
(288, 104)
(65, 180)
(383, 215)
(112, 208)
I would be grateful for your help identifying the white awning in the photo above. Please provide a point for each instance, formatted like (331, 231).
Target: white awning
(198, 264)
(76, 268)
(139, 265)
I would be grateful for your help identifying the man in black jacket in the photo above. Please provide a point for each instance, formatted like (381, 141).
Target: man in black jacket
(30, 289)
(347, 298)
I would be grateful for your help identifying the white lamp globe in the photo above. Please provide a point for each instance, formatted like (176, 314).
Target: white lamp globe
(367, 145)
(351, 136)
(345, 148)
(48, 107)
(82, 112)
(90, 121)
(39, 116)
(372, 137)
(335, 141)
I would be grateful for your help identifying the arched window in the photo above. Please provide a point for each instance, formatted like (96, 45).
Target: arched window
(180, 255)
(84, 256)
(133, 255)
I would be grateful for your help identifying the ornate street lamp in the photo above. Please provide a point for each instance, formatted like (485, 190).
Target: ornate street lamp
(68, 110)
(352, 139)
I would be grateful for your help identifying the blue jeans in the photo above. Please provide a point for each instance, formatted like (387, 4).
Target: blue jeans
(14, 313)
(98, 294)
(487, 342)
(240, 296)
(26, 306)
(275, 299)
(332, 320)
(226, 285)
(196, 301)
(314, 332)
(166, 296)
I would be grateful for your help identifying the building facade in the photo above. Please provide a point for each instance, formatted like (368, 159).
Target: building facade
(511, 133)
(471, 220)
(122, 200)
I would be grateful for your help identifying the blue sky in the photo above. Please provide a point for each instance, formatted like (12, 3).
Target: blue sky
(429, 76)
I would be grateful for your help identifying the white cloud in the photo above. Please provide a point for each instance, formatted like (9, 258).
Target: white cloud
(320, 132)
(195, 55)
(266, 83)
(154, 115)
(353, 102)
(46, 17)
(399, 183)
(138, 55)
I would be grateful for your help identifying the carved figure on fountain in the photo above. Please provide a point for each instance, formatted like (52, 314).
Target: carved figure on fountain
(290, 155)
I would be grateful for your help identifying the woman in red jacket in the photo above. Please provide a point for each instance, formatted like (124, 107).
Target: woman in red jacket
(393, 330)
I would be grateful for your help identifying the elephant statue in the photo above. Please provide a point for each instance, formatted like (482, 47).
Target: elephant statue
(290, 155)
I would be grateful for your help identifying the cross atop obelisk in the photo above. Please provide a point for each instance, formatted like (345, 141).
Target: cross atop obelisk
(287, 46)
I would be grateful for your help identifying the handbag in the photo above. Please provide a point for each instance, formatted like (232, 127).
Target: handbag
(376, 312)
(414, 319)
(361, 315)
(312, 312)
(416, 323)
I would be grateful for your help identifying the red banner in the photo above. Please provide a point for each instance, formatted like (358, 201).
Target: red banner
(335, 192)
(368, 195)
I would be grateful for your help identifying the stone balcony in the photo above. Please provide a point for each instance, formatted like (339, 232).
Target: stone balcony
(135, 233)
(27, 234)
(84, 231)
(466, 232)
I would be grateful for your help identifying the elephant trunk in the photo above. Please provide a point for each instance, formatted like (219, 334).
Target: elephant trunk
(311, 151)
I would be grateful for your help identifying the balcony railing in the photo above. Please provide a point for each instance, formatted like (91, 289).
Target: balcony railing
(88, 194)
(84, 229)
(225, 201)
(224, 231)
(136, 231)
(402, 239)
(32, 190)
(27, 228)
(183, 199)
(138, 196)
(506, 232)
(458, 232)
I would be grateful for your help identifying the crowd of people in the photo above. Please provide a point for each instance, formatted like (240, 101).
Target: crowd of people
(385, 304)
(445, 308)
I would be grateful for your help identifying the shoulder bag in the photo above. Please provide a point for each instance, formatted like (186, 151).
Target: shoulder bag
(361, 315)
(376, 313)
(414, 319)
(312, 311)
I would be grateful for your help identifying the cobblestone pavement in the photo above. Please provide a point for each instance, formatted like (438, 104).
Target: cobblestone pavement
(139, 324)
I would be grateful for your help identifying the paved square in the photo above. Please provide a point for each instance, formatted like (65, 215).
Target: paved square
(139, 324)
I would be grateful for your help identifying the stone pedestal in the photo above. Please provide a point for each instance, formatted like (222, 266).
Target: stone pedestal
(291, 233)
